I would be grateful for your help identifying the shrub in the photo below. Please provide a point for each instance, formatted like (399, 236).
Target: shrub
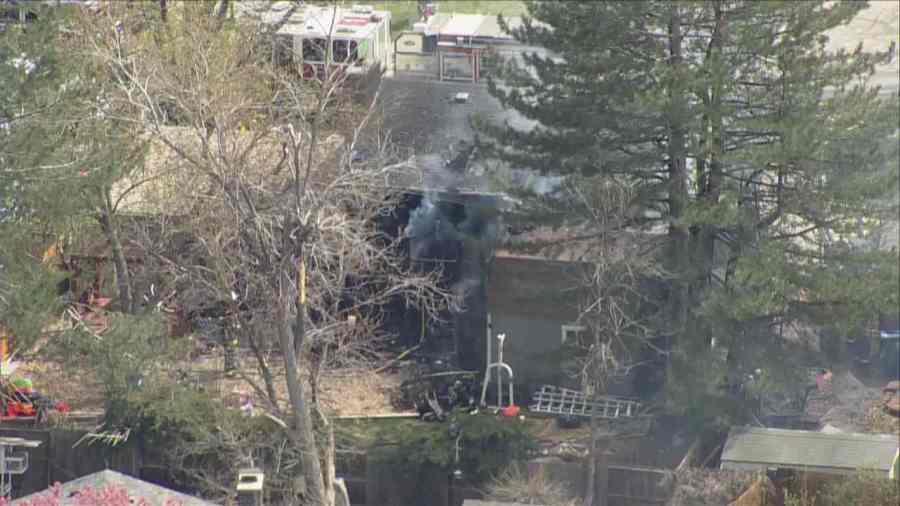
(487, 445)
(867, 488)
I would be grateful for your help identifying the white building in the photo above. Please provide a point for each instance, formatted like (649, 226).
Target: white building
(360, 39)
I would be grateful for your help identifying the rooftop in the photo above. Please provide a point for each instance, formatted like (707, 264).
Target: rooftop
(316, 21)
(470, 25)
(153, 495)
(751, 448)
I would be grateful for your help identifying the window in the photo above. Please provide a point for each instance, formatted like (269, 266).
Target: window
(573, 334)
(340, 49)
(314, 50)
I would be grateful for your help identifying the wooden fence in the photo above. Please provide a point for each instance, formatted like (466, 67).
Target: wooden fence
(59, 459)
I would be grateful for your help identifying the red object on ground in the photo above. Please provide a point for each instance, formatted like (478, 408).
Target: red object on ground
(15, 408)
(510, 411)
(62, 407)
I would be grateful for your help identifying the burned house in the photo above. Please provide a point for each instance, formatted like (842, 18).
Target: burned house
(442, 225)
(449, 226)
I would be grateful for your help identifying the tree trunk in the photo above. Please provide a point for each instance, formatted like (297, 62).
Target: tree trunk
(120, 263)
(291, 330)
(163, 10)
(713, 187)
(679, 235)
(598, 470)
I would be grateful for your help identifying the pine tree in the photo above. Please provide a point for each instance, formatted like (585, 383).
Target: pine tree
(29, 75)
(63, 140)
(769, 160)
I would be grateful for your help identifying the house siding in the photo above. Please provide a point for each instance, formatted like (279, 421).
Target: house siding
(533, 349)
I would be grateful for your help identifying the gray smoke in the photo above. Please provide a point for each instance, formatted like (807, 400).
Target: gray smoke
(432, 233)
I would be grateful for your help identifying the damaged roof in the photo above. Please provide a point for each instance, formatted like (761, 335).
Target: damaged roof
(430, 174)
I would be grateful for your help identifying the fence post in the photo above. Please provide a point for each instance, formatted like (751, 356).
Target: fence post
(49, 451)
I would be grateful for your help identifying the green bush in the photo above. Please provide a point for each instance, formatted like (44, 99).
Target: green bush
(867, 488)
(487, 444)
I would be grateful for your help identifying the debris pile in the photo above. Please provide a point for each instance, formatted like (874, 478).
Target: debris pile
(883, 415)
(709, 487)
(844, 406)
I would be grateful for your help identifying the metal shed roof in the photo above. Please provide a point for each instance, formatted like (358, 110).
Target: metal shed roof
(752, 448)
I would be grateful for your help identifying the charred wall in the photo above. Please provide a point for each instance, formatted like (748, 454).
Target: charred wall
(454, 234)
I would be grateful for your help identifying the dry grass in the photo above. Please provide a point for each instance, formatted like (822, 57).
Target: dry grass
(342, 393)
(516, 485)
(705, 487)
(77, 388)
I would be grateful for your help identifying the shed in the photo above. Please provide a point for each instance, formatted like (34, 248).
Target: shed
(752, 448)
(153, 495)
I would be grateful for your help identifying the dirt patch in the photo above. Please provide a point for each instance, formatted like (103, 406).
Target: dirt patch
(359, 393)
(342, 393)
(72, 385)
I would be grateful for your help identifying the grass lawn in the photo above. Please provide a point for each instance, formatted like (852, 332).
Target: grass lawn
(404, 11)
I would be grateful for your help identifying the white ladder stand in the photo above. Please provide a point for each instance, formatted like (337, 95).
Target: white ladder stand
(500, 366)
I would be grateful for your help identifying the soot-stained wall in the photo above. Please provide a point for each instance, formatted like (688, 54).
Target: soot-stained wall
(456, 233)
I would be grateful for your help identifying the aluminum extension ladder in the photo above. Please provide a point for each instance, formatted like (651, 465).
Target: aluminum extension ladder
(562, 401)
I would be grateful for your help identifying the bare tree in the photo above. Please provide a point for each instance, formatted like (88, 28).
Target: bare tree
(614, 306)
(254, 166)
